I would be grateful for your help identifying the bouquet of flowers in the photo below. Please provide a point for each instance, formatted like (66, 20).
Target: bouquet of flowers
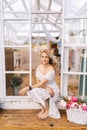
(76, 109)
(74, 102)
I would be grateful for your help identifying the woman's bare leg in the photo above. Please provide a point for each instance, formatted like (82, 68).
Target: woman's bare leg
(44, 114)
(41, 112)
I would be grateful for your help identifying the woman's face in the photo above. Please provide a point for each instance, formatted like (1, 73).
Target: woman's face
(44, 58)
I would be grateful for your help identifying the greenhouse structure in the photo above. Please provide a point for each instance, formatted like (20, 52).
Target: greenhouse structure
(29, 26)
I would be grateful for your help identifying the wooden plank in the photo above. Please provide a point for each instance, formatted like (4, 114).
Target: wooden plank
(28, 120)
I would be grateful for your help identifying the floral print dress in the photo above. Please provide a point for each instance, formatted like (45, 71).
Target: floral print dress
(39, 95)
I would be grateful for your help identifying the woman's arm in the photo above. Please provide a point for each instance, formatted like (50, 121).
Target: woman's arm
(37, 80)
(40, 84)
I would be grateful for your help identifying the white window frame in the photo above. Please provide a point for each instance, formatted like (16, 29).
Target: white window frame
(14, 102)
(64, 54)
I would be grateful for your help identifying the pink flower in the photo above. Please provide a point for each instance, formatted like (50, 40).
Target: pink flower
(72, 102)
(68, 105)
(74, 99)
(74, 105)
(85, 108)
(82, 105)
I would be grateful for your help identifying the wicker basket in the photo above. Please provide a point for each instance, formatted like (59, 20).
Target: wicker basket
(77, 116)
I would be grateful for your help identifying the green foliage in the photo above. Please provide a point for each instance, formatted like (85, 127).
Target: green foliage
(16, 81)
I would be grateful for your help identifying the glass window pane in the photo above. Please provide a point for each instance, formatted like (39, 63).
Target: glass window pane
(75, 31)
(77, 85)
(16, 59)
(16, 33)
(13, 85)
(75, 8)
(75, 60)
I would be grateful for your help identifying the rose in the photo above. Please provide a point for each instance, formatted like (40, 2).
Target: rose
(85, 108)
(72, 102)
(74, 105)
(82, 105)
(74, 99)
(68, 105)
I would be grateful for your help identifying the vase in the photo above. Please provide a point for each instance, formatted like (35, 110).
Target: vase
(16, 90)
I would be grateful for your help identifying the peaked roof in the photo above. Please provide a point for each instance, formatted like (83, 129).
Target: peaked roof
(48, 12)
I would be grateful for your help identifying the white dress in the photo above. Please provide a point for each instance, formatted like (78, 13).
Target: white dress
(39, 95)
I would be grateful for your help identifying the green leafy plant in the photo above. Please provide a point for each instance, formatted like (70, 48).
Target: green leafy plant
(16, 81)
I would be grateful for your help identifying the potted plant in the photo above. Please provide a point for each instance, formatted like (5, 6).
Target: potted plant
(16, 81)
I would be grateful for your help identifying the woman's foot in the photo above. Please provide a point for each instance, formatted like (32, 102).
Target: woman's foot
(44, 115)
(41, 112)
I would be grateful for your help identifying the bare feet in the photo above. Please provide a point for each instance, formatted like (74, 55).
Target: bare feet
(44, 115)
(45, 111)
(41, 112)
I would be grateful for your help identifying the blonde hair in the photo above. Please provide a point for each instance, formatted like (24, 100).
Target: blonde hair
(47, 52)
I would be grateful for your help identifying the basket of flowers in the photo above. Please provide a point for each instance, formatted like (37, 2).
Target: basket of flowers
(76, 110)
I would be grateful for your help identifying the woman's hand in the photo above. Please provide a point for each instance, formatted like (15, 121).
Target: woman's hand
(50, 91)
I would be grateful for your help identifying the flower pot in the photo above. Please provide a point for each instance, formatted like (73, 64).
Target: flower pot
(16, 90)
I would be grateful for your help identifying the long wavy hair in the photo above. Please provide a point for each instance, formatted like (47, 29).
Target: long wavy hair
(47, 52)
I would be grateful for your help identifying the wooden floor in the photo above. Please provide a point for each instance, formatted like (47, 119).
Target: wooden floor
(28, 120)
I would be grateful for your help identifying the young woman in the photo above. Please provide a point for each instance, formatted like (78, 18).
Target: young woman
(46, 91)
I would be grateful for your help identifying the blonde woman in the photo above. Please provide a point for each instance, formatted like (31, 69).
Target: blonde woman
(46, 91)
